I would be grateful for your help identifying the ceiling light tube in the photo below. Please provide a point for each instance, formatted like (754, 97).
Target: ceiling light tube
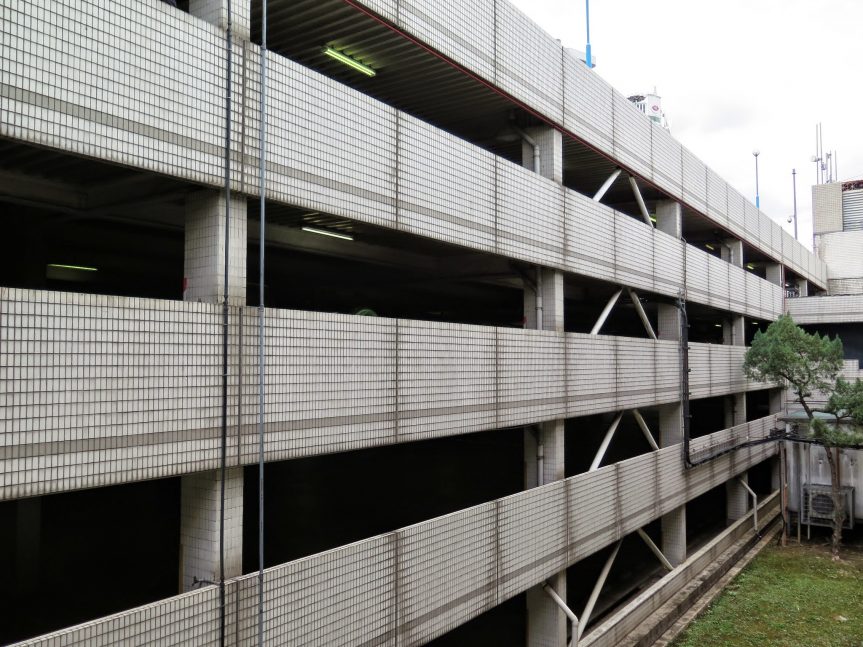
(350, 62)
(80, 268)
(325, 232)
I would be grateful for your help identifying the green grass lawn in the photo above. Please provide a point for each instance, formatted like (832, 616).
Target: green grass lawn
(788, 597)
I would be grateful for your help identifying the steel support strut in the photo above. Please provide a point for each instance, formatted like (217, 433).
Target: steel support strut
(605, 312)
(655, 549)
(645, 429)
(597, 589)
(754, 502)
(641, 206)
(607, 185)
(641, 313)
(600, 453)
(573, 642)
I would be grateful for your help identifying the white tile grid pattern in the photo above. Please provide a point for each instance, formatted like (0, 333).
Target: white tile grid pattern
(588, 105)
(838, 309)
(667, 161)
(446, 186)
(529, 222)
(81, 71)
(423, 580)
(83, 373)
(583, 109)
(199, 528)
(694, 181)
(100, 390)
(313, 154)
(204, 252)
(528, 61)
(632, 143)
(464, 32)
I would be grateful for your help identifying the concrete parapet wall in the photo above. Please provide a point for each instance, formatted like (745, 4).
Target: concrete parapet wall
(336, 150)
(558, 86)
(826, 310)
(412, 585)
(101, 390)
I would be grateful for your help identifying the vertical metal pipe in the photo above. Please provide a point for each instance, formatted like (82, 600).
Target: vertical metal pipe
(794, 182)
(224, 449)
(539, 304)
(262, 189)
(587, 54)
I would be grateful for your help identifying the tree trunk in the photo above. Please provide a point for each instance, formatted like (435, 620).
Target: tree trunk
(838, 503)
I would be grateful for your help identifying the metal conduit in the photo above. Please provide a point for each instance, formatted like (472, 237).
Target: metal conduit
(224, 448)
(262, 178)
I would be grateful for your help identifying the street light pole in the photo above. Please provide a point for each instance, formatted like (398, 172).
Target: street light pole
(587, 56)
(794, 181)
(756, 153)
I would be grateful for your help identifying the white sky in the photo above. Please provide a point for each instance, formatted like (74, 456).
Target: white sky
(735, 76)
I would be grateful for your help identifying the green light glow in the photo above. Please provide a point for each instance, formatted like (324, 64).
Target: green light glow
(750, 266)
(80, 268)
(709, 246)
(350, 62)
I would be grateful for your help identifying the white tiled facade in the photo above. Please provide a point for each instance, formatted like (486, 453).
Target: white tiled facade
(102, 390)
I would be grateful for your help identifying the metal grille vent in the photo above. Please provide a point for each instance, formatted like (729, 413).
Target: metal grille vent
(852, 210)
(818, 505)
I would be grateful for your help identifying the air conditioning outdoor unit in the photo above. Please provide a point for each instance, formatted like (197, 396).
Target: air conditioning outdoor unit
(818, 505)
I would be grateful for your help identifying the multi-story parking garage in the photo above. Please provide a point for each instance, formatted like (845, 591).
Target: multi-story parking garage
(482, 267)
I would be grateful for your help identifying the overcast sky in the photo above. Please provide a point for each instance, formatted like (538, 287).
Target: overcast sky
(735, 76)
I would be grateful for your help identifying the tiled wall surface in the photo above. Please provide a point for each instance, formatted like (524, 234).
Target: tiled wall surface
(839, 309)
(99, 390)
(554, 83)
(400, 589)
(330, 148)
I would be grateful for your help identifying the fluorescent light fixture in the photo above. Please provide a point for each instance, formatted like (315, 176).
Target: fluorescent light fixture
(653, 219)
(709, 246)
(350, 62)
(326, 232)
(750, 266)
(80, 268)
(718, 325)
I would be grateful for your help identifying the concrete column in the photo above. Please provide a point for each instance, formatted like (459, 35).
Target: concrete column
(775, 274)
(777, 400)
(28, 540)
(215, 12)
(732, 251)
(550, 142)
(669, 218)
(673, 524)
(552, 301)
(546, 623)
(551, 434)
(203, 271)
(734, 330)
(199, 526)
(735, 409)
(802, 287)
(668, 322)
(737, 498)
(204, 258)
